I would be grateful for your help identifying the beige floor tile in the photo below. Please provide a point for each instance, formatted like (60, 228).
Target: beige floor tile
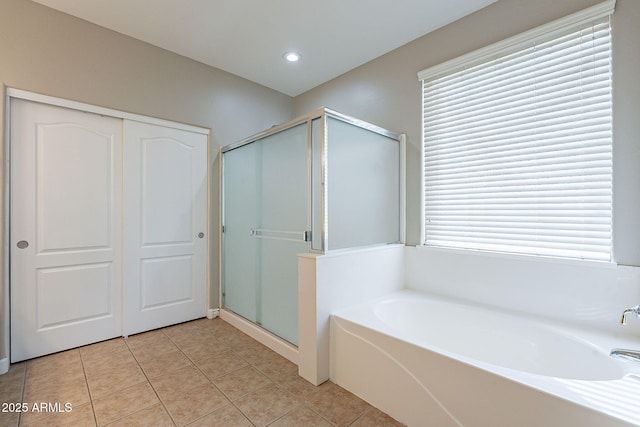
(202, 351)
(114, 381)
(10, 396)
(183, 374)
(240, 382)
(184, 337)
(42, 382)
(218, 327)
(225, 334)
(181, 329)
(163, 363)
(16, 370)
(188, 339)
(267, 404)
(9, 419)
(12, 383)
(221, 364)
(300, 387)
(155, 416)
(256, 353)
(153, 349)
(74, 393)
(125, 402)
(54, 389)
(108, 363)
(178, 382)
(236, 339)
(33, 417)
(227, 416)
(199, 338)
(279, 369)
(303, 416)
(375, 417)
(58, 364)
(195, 404)
(60, 369)
(337, 405)
(203, 321)
(102, 349)
(145, 338)
(78, 416)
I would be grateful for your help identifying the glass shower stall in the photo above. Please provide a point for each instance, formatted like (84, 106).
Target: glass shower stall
(321, 183)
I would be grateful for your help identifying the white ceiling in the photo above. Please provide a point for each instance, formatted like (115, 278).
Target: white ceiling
(249, 37)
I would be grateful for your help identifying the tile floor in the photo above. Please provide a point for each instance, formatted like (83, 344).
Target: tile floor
(199, 373)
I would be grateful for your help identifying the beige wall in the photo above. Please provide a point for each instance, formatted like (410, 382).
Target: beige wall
(48, 52)
(386, 91)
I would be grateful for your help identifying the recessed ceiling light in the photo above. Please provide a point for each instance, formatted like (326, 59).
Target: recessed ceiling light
(292, 56)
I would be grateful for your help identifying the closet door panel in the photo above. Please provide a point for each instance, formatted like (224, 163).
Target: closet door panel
(66, 168)
(165, 226)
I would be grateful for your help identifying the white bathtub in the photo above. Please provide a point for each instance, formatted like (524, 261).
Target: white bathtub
(431, 361)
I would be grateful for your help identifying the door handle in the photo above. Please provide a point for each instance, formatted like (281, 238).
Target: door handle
(23, 244)
(292, 236)
(201, 234)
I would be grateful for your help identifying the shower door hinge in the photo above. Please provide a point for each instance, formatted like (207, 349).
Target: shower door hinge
(307, 236)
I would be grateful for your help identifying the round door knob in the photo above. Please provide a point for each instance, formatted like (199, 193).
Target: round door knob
(201, 234)
(23, 244)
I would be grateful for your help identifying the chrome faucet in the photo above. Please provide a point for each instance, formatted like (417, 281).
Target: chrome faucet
(626, 354)
(633, 310)
(623, 352)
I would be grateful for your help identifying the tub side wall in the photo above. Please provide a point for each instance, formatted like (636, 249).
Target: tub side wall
(413, 384)
(587, 295)
(327, 283)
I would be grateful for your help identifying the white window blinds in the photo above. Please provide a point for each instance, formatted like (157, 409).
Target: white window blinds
(517, 143)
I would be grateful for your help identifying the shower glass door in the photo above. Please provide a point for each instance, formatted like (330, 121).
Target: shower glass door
(265, 219)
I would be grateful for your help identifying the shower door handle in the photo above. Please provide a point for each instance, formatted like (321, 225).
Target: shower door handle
(292, 236)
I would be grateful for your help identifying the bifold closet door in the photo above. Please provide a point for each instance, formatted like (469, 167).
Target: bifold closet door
(165, 226)
(65, 235)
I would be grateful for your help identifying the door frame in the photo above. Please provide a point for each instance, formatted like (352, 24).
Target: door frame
(5, 282)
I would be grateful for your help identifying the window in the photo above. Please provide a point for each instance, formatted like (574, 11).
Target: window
(517, 143)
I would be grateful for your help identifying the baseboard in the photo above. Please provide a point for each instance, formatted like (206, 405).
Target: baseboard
(4, 365)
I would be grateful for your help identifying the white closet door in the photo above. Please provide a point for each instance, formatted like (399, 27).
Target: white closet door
(165, 226)
(66, 169)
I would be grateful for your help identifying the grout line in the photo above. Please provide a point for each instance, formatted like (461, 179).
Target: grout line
(277, 383)
(107, 354)
(283, 415)
(86, 383)
(133, 413)
(366, 411)
(149, 381)
(211, 380)
(24, 388)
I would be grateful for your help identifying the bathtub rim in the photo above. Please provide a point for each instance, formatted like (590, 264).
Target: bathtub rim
(592, 338)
